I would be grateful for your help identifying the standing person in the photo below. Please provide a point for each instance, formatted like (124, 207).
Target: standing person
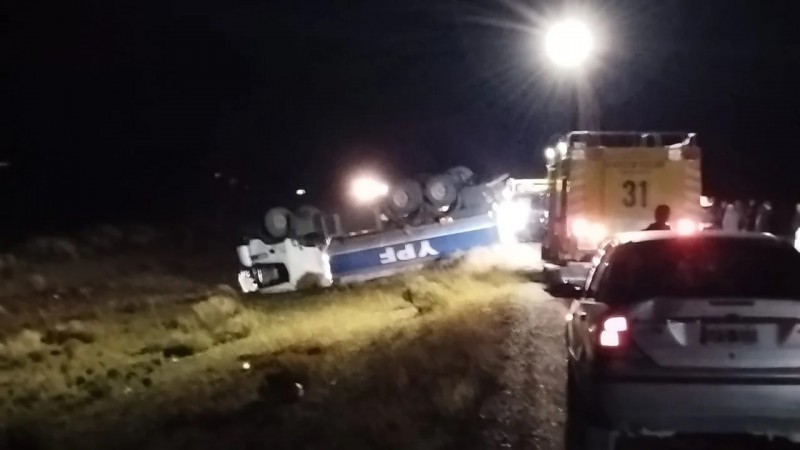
(730, 218)
(661, 218)
(751, 210)
(720, 213)
(796, 226)
(715, 213)
(796, 217)
(741, 215)
(763, 217)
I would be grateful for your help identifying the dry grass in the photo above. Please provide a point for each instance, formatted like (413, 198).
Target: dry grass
(403, 361)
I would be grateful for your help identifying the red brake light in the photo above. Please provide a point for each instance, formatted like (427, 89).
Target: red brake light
(610, 334)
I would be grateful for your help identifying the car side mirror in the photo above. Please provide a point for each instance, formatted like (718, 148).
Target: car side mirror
(566, 290)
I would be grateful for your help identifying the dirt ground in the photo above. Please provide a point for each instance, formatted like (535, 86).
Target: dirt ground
(527, 412)
(150, 357)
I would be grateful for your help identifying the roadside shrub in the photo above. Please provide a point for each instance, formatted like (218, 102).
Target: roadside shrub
(216, 310)
(179, 344)
(37, 282)
(424, 302)
(8, 265)
(52, 248)
(20, 346)
(140, 235)
(225, 290)
(103, 237)
(63, 332)
(232, 329)
(221, 317)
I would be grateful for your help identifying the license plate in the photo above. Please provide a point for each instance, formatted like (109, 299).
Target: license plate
(728, 334)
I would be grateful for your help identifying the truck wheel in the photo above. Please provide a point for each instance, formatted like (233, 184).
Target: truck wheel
(404, 198)
(440, 191)
(277, 223)
(461, 174)
(307, 223)
(473, 200)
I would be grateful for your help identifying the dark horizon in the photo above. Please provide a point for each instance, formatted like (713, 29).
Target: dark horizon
(126, 110)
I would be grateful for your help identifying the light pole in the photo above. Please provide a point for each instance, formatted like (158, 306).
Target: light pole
(569, 45)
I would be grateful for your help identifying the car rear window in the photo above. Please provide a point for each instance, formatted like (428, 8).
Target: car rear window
(702, 267)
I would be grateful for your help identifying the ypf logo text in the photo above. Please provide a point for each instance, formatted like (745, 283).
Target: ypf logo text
(407, 252)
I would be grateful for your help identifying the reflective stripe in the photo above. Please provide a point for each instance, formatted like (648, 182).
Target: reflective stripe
(576, 195)
(692, 189)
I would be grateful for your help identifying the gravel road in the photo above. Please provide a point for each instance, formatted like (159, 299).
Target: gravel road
(529, 411)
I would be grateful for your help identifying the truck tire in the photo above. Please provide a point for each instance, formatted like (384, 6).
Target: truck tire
(472, 201)
(307, 225)
(462, 175)
(440, 191)
(277, 223)
(404, 198)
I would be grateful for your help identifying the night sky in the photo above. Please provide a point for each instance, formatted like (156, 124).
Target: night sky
(117, 110)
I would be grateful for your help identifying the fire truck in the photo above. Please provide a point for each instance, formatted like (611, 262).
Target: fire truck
(602, 183)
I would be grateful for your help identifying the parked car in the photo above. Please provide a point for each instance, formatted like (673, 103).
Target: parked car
(684, 334)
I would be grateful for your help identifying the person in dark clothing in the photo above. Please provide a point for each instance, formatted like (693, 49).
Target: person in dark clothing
(715, 213)
(795, 226)
(764, 218)
(662, 217)
(749, 216)
(796, 218)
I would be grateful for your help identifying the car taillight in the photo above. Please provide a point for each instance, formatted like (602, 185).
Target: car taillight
(613, 331)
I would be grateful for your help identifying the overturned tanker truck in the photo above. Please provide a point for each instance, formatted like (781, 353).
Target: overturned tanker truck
(419, 221)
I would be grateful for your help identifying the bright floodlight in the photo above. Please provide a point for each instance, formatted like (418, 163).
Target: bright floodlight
(569, 43)
(512, 217)
(367, 189)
